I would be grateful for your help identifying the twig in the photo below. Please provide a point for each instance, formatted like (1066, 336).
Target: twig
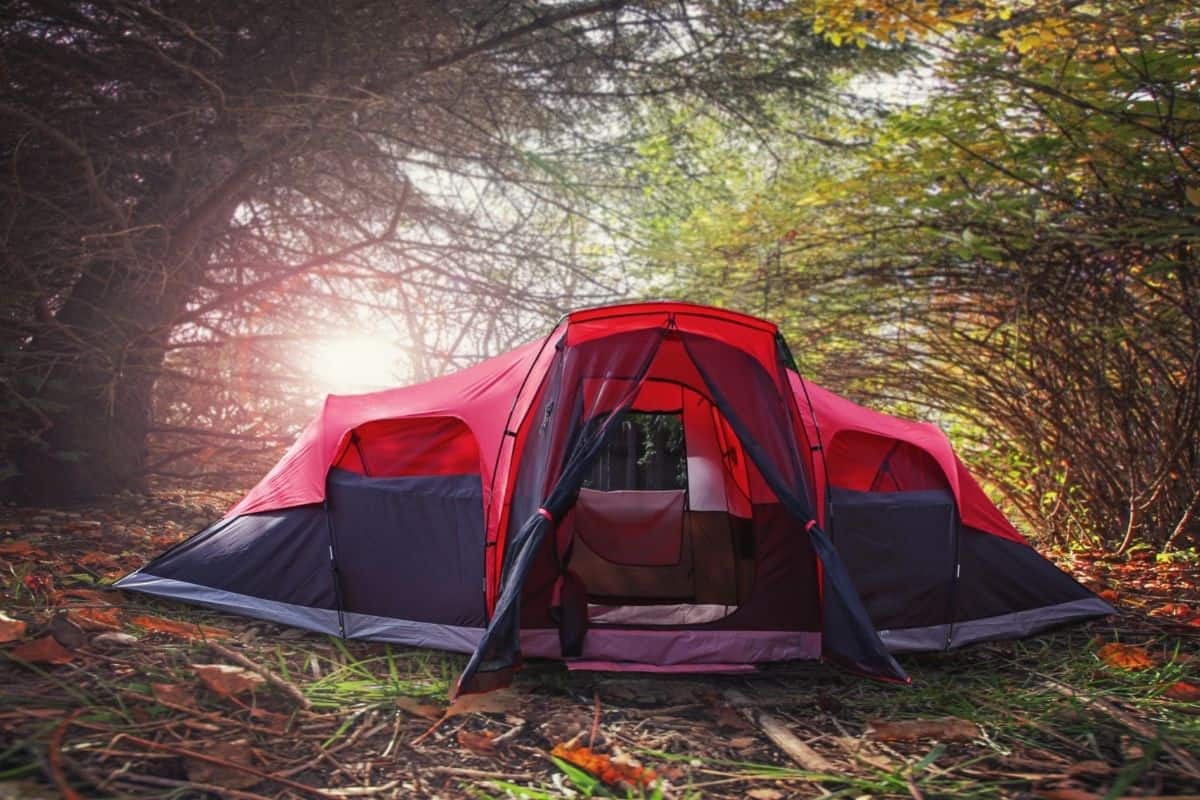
(466, 772)
(779, 734)
(54, 757)
(288, 688)
(1147, 732)
(363, 791)
(266, 776)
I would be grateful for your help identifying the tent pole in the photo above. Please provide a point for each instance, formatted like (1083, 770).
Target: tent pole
(333, 569)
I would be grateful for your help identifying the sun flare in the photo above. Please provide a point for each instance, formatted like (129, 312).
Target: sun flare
(350, 364)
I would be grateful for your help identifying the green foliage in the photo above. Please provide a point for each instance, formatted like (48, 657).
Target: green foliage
(1009, 251)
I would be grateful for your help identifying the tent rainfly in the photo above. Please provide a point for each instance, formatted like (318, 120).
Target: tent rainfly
(651, 486)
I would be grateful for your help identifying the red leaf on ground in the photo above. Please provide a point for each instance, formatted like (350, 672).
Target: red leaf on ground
(20, 549)
(182, 630)
(10, 629)
(227, 680)
(97, 558)
(1183, 691)
(1109, 594)
(608, 770)
(96, 619)
(479, 743)
(45, 650)
(1125, 656)
(1171, 610)
(37, 583)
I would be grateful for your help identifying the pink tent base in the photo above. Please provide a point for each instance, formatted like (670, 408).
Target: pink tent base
(575, 665)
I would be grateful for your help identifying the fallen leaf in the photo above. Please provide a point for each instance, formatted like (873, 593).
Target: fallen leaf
(418, 709)
(96, 619)
(742, 742)
(1125, 656)
(97, 558)
(94, 596)
(1108, 594)
(226, 679)
(497, 702)
(20, 549)
(946, 729)
(173, 694)
(479, 743)
(1184, 691)
(236, 753)
(609, 771)
(730, 718)
(182, 630)
(45, 650)
(1171, 610)
(10, 629)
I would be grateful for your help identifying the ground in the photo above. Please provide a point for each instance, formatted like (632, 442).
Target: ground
(106, 694)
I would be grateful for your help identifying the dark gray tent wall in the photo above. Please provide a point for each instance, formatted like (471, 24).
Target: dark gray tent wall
(929, 583)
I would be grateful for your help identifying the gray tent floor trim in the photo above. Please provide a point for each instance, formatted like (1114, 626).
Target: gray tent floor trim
(463, 639)
(455, 638)
(1004, 626)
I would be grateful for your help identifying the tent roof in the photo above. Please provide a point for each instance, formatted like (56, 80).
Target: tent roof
(481, 397)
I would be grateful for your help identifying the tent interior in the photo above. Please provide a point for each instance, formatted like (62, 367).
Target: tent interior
(674, 526)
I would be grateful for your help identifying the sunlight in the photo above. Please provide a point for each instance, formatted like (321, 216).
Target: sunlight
(351, 364)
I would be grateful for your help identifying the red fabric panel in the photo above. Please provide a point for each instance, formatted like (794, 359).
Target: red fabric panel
(421, 446)
(833, 416)
(634, 528)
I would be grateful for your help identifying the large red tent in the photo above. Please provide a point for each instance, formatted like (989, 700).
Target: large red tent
(650, 483)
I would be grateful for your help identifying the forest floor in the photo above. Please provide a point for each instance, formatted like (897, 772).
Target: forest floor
(108, 694)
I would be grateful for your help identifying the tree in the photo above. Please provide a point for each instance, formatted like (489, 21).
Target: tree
(180, 179)
(1012, 253)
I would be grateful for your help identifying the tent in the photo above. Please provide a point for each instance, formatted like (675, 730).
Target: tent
(650, 485)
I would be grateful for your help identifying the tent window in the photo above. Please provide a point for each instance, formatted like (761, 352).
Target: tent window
(648, 452)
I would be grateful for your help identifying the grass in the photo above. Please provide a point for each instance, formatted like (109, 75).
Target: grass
(1119, 737)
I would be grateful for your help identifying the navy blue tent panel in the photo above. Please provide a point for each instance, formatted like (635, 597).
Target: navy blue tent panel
(410, 548)
(276, 555)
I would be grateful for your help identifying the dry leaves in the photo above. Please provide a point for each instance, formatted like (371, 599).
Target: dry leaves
(181, 630)
(227, 680)
(45, 650)
(945, 729)
(483, 744)
(613, 772)
(1183, 691)
(501, 701)
(416, 708)
(10, 629)
(96, 619)
(236, 753)
(1125, 656)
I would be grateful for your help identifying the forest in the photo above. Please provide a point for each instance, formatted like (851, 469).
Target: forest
(983, 214)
